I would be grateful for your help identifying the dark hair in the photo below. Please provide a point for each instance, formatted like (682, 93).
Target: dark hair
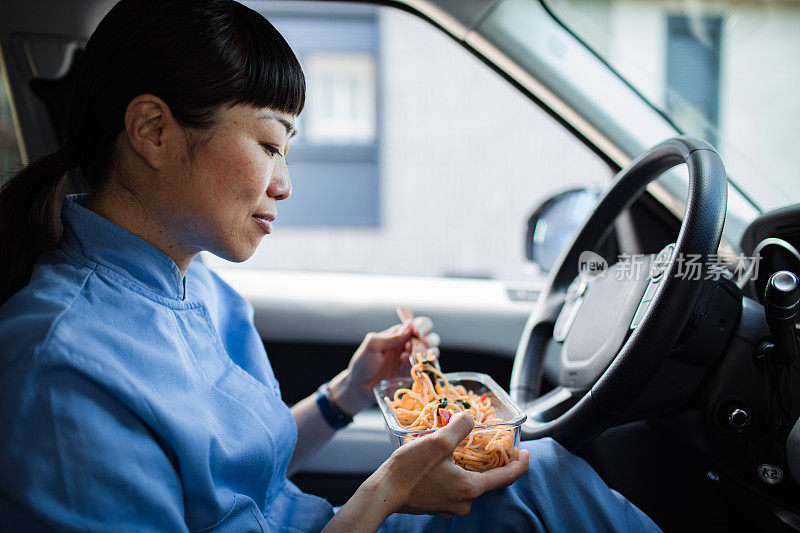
(196, 55)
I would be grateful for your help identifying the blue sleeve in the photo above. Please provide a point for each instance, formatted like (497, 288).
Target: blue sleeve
(74, 458)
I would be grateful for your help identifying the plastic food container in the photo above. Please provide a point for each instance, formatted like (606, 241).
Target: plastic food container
(510, 414)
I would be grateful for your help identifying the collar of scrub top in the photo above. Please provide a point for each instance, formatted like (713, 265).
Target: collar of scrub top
(110, 245)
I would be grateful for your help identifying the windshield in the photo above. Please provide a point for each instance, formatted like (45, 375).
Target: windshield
(724, 71)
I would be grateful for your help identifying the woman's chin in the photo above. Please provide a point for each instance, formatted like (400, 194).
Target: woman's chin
(236, 254)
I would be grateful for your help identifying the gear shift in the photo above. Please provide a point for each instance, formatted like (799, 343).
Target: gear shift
(781, 304)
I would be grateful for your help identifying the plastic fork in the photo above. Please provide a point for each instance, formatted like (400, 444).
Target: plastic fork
(419, 350)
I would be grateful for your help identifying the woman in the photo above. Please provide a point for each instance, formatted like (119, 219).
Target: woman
(135, 393)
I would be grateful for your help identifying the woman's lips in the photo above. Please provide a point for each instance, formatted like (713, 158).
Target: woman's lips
(264, 222)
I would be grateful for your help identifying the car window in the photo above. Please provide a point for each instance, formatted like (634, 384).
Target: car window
(723, 71)
(10, 159)
(413, 158)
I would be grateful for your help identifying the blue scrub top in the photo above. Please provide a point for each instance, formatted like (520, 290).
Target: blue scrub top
(133, 399)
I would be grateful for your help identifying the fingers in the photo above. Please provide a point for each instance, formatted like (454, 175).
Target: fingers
(422, 329)
(504, 475)
(422, 326)
(396, 341)
(394, 337)
(405, 364)
(432, 340)
(455, 431)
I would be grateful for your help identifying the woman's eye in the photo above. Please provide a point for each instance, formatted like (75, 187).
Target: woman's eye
(271, 150)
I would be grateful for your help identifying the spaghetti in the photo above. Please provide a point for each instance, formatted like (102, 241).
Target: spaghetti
(432, 400)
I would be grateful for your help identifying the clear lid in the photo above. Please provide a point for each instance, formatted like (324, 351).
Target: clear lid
(506, 409)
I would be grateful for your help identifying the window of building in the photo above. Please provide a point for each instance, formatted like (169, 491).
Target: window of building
(336, 153)
(341, 108)
(693, 58)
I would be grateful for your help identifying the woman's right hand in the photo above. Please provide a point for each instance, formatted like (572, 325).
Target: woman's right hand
(421, 477)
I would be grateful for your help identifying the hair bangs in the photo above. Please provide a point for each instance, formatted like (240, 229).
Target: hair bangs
(271, 73)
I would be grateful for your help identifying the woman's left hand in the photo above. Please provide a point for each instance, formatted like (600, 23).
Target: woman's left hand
(382, 355)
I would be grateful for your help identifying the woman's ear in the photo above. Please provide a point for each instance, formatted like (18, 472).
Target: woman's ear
(149, 126)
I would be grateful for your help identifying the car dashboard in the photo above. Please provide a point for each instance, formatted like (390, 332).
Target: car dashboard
(773, 242)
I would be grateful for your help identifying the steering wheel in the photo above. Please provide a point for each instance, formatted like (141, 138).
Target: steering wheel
(617, 330)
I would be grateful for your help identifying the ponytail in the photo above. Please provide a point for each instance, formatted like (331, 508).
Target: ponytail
(30, 219)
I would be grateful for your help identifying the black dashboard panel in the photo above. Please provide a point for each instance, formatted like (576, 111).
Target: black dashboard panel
(775, 236)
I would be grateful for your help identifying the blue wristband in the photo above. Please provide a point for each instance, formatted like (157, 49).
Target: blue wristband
(334, 416)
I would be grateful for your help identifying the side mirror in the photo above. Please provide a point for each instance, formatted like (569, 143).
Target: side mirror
(552, 225)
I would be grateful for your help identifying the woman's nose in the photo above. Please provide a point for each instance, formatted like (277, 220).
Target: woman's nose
(280, 186)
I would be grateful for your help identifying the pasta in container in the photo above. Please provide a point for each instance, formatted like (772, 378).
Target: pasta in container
(424, 402)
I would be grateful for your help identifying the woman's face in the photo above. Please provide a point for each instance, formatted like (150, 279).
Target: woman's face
(227, 200)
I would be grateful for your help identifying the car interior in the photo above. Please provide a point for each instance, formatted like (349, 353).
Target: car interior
(677, 388)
